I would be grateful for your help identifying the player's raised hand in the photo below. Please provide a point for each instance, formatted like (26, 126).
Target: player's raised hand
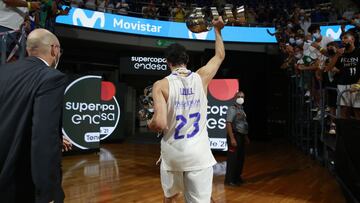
(218, 23)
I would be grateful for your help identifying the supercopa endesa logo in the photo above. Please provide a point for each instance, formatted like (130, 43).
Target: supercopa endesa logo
(91, 111)
(220, 97)
(223, 89)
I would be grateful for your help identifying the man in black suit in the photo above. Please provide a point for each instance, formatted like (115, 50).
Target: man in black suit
(31, 95)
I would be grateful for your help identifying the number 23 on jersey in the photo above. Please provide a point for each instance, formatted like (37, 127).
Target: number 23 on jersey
(194, 118)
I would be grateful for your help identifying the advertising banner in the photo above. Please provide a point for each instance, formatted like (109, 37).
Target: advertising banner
(220, 97)
(140, 26)
(91, 111)
(144, 65)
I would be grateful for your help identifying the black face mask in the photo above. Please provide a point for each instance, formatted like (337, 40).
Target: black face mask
(331, 52)
(347, 46)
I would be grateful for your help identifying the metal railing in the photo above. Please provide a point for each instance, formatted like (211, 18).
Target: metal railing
(309, 135)
(13, 43)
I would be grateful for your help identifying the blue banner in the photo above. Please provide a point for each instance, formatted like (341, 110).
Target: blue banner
(140, 26)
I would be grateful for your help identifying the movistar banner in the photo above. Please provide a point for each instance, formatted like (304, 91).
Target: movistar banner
(140, 26)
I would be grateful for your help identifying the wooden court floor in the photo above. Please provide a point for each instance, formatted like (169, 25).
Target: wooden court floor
(126, 173)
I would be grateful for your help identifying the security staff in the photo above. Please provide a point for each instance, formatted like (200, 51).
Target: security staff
(237, 137)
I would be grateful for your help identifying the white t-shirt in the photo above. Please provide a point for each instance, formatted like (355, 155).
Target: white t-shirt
(325, 40)
(185, 145)
(11, 17)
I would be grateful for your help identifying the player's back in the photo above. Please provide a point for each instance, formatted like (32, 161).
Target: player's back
(185, 145)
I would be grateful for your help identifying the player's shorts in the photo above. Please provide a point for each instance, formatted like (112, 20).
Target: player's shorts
(196, 185)
(349, 99)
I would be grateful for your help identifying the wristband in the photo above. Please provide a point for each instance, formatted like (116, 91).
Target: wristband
(29, 5)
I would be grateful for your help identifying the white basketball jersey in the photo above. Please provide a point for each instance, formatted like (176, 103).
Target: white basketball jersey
(185, 145)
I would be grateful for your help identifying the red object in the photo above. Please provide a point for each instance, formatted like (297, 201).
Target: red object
(108, 91)
(231, 149)
(223, 89)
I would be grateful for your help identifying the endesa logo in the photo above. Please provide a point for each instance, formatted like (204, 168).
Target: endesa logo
(149, 63)
(221, 93)
(91, 111)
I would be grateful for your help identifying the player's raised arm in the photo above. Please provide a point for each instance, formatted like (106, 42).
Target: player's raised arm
(158, 121)
(208, 71)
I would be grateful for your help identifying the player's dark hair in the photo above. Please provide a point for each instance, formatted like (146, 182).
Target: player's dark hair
(176, 54)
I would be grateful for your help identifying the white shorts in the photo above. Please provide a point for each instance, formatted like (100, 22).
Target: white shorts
(196, 185)
(349, 99)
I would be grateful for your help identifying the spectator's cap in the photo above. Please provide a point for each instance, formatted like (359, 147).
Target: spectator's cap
(313, 28)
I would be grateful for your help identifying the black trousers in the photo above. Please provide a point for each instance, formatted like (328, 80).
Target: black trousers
(235, 159)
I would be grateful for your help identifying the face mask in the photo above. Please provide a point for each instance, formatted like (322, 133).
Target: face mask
(347, 45)
(316, 35)
(331, 52)
(302, 17)
(240, 100)
(292, 41)
(298, 56)
(57, 59)
(290, 25)
(299, 42)
(357, 22)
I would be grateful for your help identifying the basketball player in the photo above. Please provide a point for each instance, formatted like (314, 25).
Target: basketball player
(180, 111)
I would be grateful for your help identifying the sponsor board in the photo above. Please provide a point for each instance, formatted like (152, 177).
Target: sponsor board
(220, 97)
(91, 112)
(140, 26)
(144, 65)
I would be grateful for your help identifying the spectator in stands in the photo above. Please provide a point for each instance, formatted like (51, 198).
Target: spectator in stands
(77, 3)
(178, 13)
(149, 11)
(250, 16)
(333, 15)
(304, 21)
(122, 7)
(293, 55)
(329, 81)
(163, 12)
(317, 16)
(12, 14)
(90, 4)
(356, 29)
(347, 62)
(348, 13)
(101, 5)
(320, 45)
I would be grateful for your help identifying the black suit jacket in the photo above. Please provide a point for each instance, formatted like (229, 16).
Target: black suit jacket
(31, 96)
